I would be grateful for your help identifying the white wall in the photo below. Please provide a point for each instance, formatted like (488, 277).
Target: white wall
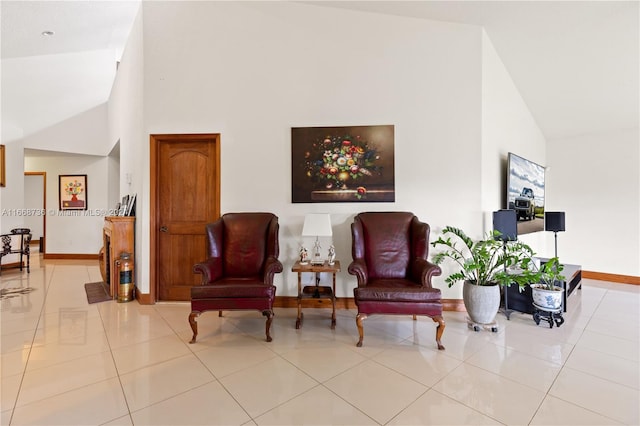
(34, 203)
(113, 176)
(125, 111)
(12, 195)
(72, 232)
(507, 126)
(85, 133)
(251, 71)
(75, 140)
(597, 183)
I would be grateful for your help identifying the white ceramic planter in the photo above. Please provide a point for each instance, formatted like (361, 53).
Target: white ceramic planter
(481, 302)
(547, 299)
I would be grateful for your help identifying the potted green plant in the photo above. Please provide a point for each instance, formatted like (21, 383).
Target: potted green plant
(547, 289)
(483, 266)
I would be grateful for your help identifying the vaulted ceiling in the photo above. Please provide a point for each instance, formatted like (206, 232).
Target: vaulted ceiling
(576, 63)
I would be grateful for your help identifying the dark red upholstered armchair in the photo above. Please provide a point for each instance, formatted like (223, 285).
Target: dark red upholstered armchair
(238, 275)
(390, 252)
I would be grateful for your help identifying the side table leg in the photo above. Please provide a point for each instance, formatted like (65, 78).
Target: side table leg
(333, 301)
(333, 317)
(299, 319)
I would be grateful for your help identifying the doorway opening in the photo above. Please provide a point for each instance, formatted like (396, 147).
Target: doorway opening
(35, 200)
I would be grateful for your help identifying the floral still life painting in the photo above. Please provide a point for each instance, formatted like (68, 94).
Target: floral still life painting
(342, 164)
(73, 192)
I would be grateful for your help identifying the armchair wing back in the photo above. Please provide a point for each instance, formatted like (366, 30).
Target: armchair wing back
(243, 245)
(389, 243)
(238, 274)
(390, 251)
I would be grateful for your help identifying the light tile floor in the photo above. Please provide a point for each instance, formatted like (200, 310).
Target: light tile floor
(65, 362)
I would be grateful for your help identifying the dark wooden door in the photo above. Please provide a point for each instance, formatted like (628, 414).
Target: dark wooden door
(188, 197)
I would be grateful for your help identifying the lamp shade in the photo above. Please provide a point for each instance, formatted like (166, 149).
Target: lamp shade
(317, 225)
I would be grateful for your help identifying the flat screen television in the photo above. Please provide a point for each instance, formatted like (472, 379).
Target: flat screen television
(525, 193)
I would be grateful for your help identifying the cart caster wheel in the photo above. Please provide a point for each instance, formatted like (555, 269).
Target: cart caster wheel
(494, 329)
(476, 328)
(559, 321)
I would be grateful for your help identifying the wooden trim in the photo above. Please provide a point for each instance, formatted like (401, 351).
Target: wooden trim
(453, 305)
(450, 305)
(603, 276)
(72, 256)
(144, 298)
(456, 305)
(292, 302)
(154, 146)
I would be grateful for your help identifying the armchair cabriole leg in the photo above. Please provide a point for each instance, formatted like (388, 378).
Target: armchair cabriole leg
(359, 319)
(194, 325)
(220, 314)
(269, 315)
(439, 330)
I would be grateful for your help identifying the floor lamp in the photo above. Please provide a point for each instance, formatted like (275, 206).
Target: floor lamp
(554, 221)
(506, 223)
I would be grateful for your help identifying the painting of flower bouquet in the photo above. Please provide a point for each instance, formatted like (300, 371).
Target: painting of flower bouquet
(73, 192)
(342, 164)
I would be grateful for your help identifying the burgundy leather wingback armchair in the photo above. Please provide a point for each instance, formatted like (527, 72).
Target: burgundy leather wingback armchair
(238, 275)
(389, 253)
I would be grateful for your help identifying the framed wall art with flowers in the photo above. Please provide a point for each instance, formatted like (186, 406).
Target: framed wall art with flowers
(342, 164)
(73, 192)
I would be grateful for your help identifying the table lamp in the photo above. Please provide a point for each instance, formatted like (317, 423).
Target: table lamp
(317, 225)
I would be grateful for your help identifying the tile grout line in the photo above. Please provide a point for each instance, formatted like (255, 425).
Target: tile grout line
(563, 367)
(35, 332)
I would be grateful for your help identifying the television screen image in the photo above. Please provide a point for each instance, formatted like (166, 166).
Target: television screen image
(525, 193)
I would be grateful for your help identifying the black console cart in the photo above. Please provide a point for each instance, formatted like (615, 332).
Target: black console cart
(523, 301)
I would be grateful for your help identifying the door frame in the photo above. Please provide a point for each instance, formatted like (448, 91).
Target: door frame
(44, 208)
(154, 224)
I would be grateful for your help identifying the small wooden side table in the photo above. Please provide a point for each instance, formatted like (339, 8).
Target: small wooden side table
(316, 291)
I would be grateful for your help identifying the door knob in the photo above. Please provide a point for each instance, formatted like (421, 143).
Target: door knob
(164, 229)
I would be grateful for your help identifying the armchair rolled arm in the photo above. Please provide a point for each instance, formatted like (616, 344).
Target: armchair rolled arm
(272, 266)
(423, 271)
(211, 270)
(359, 269)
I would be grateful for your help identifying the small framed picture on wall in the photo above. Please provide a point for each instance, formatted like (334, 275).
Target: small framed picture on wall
(72, 192)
